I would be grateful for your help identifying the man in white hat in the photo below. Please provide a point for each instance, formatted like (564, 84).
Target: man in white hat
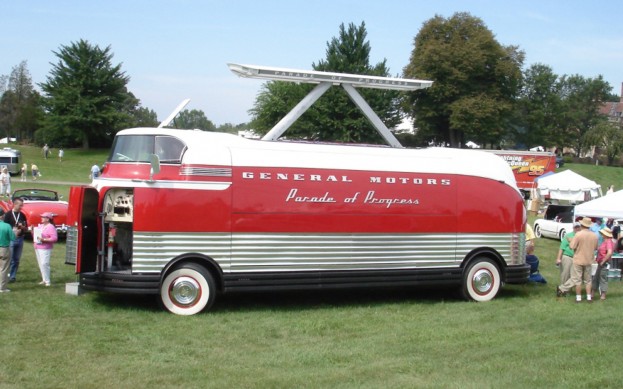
(583, 245)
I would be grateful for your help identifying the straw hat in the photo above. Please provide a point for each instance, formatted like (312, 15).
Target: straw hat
(606, 232)
(586, 222)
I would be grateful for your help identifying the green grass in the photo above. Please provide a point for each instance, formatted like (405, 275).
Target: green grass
(408, 338)
(75, 168)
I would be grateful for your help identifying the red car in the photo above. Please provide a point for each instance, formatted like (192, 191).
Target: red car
(38, 201)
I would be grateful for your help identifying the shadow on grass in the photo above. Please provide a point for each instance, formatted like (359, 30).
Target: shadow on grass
(148, 303)
(315, 299)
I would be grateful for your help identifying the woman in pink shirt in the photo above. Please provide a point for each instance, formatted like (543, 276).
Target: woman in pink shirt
(604, 254)
(44, 237)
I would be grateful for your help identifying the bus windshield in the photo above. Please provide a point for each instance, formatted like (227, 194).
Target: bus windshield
(138, 148)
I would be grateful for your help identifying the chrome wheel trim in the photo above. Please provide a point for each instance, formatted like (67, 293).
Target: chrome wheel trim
(185, 291)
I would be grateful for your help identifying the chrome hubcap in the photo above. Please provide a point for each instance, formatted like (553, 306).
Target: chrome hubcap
(482, 281)
(185, 291)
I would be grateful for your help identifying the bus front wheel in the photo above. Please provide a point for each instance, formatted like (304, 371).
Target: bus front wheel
(188, 289)
(481, 280)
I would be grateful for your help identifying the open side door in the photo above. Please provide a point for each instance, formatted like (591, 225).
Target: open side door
(82, 234)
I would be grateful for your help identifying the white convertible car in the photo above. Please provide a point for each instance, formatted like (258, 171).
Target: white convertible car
(556, 222)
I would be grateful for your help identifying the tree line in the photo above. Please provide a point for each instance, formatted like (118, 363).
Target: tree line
(481, 93)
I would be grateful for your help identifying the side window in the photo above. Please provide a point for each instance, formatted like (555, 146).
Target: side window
(169, 149)
(132, 148)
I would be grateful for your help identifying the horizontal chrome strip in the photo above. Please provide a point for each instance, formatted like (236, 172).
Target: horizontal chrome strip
(204, 171)
(314, 252)
(100, 183)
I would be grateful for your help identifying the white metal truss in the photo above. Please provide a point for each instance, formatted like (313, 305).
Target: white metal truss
(325, 80)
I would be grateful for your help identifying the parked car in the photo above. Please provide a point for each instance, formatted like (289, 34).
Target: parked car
(559, 161)
(37, 201)
(556, 222)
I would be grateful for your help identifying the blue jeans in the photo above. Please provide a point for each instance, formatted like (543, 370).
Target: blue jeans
(16, 253)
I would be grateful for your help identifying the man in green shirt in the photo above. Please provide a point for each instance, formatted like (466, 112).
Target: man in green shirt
(6, 237)
(565, 255)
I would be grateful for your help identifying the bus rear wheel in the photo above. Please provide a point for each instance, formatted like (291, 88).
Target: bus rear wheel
(481, 280)
(188, 289)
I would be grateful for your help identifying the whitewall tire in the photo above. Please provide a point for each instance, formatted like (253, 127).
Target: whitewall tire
(481, 280)
(187, 290)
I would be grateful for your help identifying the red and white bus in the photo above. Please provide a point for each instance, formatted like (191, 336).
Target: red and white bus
(187, 215)
(224, 213)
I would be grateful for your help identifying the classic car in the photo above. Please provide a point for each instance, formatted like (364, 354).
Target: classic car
(556, 222)
(37, 201)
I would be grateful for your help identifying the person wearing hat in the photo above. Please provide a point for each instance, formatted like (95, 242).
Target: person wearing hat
(564, 260)
(6, 237)
(584, 245)
(604, 254)
(44, 237)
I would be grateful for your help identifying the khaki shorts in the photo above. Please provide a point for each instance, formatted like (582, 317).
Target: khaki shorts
(581, 274)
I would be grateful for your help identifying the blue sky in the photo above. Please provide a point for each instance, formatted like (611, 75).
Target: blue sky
(179, 49)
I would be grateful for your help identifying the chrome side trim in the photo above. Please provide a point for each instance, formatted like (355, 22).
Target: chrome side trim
(204, 171)
(277, 252)
(165, 184)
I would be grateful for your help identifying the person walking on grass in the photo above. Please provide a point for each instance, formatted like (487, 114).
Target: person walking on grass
(6, 237)
(35, 171)
(5, 182)
(44, 237)
(583, 245)
(24, 171)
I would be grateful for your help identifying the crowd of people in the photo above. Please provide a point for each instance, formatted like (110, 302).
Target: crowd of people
(584, 258)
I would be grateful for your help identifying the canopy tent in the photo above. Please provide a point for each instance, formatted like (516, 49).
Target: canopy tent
(609, 206)
(568, 186)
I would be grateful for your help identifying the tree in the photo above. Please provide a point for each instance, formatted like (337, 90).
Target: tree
(233, 128)
(608, 137)
(581, 99)
(476, 80)
(85, 96)
(334, 117)
(143, 117)
(539, 108)
(194, 119)
(20, 104)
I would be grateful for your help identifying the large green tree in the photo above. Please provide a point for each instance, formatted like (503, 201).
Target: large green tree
(20, 104)
(476, 80)
(581, 99)
(608, 137)
(334, 117)
(539, 108)
(86, 97)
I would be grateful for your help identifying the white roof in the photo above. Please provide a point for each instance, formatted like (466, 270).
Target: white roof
(609, 206)
(567, 181)
(226, 149)
(568, 185)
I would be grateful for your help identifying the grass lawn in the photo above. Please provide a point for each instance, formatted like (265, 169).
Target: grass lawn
(408, 338)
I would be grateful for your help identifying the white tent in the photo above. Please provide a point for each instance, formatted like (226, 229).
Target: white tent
(568, 186)
(609, 206)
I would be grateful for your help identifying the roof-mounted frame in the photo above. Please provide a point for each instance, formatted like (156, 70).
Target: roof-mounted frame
(325, 80)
